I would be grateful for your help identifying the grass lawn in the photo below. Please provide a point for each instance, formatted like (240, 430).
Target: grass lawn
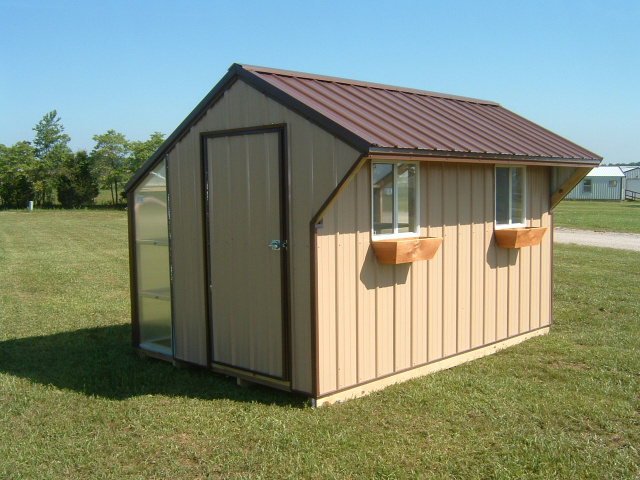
(603, 216)
(76, 402)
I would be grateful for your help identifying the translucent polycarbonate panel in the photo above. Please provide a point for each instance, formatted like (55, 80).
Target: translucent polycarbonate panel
(407, 198)
(502, 195)
(383, 193)
(517, 195)
(155, 332)
(152, 261)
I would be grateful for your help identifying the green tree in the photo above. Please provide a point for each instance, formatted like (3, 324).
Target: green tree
(16, 165)
(141, 151)
(50, 148)
(110, 155)
(77, 183)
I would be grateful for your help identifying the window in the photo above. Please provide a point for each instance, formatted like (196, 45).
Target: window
(613, 183)
(395, 199)
(586, 186)
(510, 197)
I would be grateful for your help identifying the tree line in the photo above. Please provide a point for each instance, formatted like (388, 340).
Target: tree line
(39, 169)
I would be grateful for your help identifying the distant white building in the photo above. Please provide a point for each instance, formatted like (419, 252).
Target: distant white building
(602, 183)
(632, 171)
(632, 182)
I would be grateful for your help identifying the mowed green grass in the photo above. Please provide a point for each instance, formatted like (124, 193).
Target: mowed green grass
(603, 216)
(76, 402)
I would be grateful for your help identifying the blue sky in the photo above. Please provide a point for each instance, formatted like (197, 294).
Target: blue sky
(142, 66)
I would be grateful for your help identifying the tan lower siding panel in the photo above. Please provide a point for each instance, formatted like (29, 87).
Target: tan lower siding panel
(513, 308)
(491, 266)
(478, 257)
(435, 223)
(545, 274)
(525, 290)
(536, 261)
(419, 313)
(385, 279)
(345, 292)
(365, 278)
(327, 367)
(402, 314)
(377, 318)
(464, 259)
(449, 249)
(449, 362)
(502, 292)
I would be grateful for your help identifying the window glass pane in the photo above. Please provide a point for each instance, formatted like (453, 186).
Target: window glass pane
(517, 195)
(502, 195)
(586, 187)
(383, 220)
(152, 261)
(407, 204)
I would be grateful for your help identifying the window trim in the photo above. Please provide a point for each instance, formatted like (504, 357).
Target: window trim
(395, 234)
(499, 226)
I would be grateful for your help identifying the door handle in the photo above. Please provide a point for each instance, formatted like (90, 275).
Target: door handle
(277, 245)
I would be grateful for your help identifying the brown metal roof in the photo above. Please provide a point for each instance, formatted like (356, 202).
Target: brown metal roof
(395, 119)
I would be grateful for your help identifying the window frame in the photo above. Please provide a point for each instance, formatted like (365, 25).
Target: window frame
(396, 234)
(511, 224)
(585, 185)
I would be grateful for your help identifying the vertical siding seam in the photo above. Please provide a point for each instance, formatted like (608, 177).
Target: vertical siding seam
(485, 251)
(457, 289)
(356, 279)
(530, 273)
(509, 253)
(395, 326)
(411, 310)
(472, 267)
(337, 301)
(427, 225)
(444, 269)
(375, 329)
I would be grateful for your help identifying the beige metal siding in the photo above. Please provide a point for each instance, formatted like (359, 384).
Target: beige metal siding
(187, 253)
(471, 294)
(317, 162)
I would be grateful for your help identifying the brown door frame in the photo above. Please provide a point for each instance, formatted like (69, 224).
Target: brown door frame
(280, 129)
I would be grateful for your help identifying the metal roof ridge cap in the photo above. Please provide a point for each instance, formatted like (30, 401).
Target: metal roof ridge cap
(360, 83)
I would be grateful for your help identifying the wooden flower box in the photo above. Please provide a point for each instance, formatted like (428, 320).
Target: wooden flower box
(406, 250)
(519, 237)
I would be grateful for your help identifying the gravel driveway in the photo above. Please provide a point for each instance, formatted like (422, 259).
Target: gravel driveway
(624, 241)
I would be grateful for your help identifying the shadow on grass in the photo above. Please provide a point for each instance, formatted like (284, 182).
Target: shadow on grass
(101, 362)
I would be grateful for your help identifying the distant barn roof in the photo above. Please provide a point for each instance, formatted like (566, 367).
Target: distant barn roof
(395, 118)
(606, 171)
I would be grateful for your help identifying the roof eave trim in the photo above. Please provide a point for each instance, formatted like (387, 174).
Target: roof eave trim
(434, 155)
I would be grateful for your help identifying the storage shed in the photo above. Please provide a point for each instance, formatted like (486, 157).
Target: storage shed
(601, 183)
(331, 237)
